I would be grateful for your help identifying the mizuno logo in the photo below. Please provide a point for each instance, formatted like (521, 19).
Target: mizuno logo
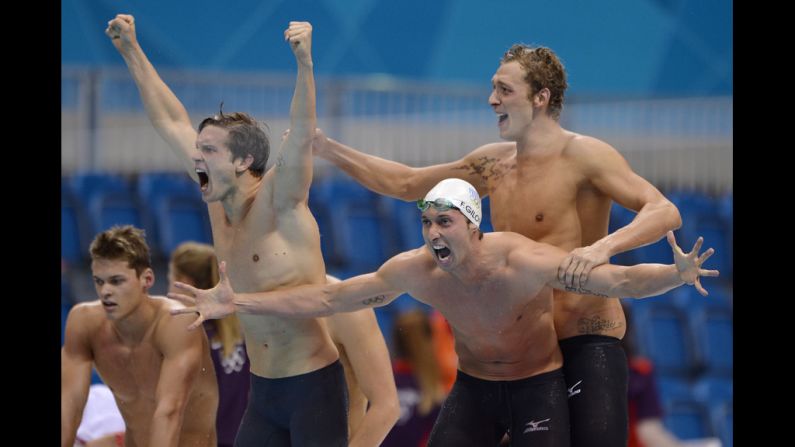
(533, 426)
(572, 391)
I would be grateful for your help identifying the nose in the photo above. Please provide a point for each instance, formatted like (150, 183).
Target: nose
(104, 290)
(493, 100)
(433, 232)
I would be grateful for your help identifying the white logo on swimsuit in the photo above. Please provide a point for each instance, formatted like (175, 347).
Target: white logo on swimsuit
(533, 426)
(232, 363)
(572, 391)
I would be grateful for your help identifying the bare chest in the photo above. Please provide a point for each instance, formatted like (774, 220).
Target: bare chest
(492, 307)
(539, 202)
(132, 372)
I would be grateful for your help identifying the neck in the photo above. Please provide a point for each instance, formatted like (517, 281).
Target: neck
(538, 136)
(133, 327)
(474, 268)
(238, 202)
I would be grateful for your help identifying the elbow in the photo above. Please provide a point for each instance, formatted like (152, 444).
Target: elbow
(406, 186)
(388, 411)
(168, 411)
(675, 217)
(329, 305)
(672, 219)
(392, 410)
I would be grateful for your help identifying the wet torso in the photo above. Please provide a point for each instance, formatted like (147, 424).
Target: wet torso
(132, 371)
(549, 199)
(270, 250)
(503, 323)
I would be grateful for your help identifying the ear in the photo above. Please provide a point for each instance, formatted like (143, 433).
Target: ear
(541, 98)
(148, 278)
(242, 164)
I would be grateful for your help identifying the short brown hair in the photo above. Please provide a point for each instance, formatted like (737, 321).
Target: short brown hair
(122, 243)
(543, 70)
(245, 137)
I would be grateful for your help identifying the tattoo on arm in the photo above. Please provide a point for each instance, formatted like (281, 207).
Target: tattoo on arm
(595, 325)
(374, 300)
(487, 168)
(582, 291)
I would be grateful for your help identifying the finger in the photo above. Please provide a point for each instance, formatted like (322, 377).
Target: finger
(563, 267)
(671, 239)
(701, 289)
(570, 273)
(183, 310)
(703, 272)
(586, 271)
(704, 256)
(183, 286)
(184, 299)
(697, 246)
(196, 323)
(222, 271)
(575, 280)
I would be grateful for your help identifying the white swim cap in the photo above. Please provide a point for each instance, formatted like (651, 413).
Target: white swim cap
(461, 194)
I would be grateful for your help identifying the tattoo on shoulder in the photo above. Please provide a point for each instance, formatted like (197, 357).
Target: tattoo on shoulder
(582, 291)
(374, 300)
(596, 325)
(280, 161)
(486, 167)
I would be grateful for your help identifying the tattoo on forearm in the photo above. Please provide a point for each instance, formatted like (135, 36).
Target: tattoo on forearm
(595, 325)
(487, 168)
(374, 300)
(582, 291)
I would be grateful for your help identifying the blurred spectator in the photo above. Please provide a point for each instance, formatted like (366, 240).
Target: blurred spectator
(195, 264)
(646, 427)
(418, 379)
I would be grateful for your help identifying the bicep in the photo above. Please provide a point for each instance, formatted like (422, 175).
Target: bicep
(75, 377)
(477, 168)
(76, 360)
(292, 172)
(183, 352)
(181, 137)
(611, 174)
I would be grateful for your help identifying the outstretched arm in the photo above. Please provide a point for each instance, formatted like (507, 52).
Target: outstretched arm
(397, 180)
(294, 163)
(76, 362)
(166, 113)
(309, 301)
(644, 280)
(610, 173)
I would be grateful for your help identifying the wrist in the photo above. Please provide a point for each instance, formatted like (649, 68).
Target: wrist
(604, 246)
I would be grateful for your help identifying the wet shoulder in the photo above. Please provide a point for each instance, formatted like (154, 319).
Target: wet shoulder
(508, 240)
(501, 149)
(408, 264)
(88, 314)
(163, 306)
(579, 146)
